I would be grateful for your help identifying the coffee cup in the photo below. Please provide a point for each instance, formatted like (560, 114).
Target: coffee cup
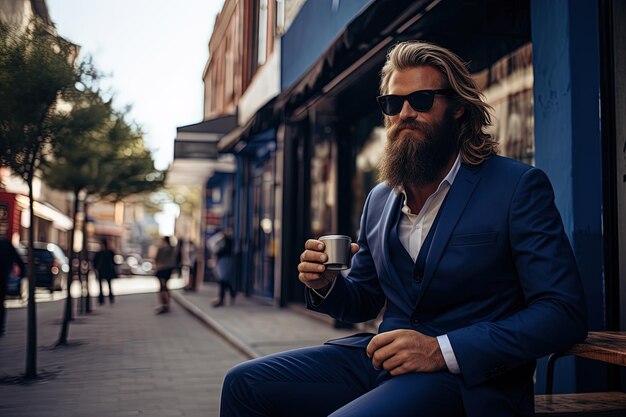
(338, 250)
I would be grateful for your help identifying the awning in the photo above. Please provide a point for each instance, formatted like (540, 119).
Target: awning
(218, 125)
(196, 171)
(266, 118)
(196, 157)
(44, 211)
(480, 31)
(199, 140)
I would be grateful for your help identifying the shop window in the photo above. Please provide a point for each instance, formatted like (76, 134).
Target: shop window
(508, 88)
(366, 174)
(322, 189)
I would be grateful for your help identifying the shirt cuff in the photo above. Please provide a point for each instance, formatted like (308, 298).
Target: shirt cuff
(448, 354)
(323, 297)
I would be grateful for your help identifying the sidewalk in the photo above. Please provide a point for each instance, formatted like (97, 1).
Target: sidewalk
(257, 329)
(126, 361)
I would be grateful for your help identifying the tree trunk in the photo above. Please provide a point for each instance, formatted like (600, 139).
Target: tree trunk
(65, 327)
(88, 263)
(31, 344)
(80, 306)
(81, 268)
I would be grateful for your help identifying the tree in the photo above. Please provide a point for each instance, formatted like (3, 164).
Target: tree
(99, 154)
(80, 140)
(36, 68)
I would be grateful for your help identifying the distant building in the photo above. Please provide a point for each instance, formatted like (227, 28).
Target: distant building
(18, 13)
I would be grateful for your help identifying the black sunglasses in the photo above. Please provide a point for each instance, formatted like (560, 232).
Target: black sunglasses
(421, 100)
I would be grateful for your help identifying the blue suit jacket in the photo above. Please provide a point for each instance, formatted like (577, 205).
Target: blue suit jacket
(500, 278)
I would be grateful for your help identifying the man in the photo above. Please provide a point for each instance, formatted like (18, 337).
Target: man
(224, 268)
(8, 259)
(104, 264)
(466, 251)
(165, 263)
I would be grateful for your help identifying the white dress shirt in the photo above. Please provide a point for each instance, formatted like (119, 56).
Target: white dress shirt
(412, 232)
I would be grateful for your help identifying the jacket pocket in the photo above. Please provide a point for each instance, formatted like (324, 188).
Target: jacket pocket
(468, 239)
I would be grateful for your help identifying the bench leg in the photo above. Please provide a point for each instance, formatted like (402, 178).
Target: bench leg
(550, 371)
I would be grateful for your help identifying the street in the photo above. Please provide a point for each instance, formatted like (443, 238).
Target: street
(123, 361)
(121, 286)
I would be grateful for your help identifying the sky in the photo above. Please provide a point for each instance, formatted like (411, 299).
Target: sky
(153, 53)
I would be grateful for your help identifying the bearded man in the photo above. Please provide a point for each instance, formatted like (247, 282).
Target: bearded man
(465, 249)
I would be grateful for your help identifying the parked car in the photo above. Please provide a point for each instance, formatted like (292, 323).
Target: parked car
(51, 265)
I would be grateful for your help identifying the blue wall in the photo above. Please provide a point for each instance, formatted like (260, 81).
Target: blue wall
(312, 31)
(568, 144)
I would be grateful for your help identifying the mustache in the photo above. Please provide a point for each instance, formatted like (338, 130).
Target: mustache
(408, 124)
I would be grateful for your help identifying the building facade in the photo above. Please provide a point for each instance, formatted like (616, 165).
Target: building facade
(554, 107)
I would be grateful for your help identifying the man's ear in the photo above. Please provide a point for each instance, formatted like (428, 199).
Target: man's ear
(459, 112)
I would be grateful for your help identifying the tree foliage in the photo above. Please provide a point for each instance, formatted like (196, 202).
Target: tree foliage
(36, 70)
(80, 141)
(129, 167)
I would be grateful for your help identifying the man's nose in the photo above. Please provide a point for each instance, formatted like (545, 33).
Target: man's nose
(407, 111)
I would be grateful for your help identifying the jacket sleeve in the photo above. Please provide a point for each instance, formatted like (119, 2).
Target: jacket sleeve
(555, 313)
(357, 297)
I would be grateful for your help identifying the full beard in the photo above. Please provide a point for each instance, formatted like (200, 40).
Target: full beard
(411, 160)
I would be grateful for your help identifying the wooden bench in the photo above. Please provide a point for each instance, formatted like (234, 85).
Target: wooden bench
(609, 347)
(584, 404)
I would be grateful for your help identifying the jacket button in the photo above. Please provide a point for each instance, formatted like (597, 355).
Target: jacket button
(418, 279)
(415, 322)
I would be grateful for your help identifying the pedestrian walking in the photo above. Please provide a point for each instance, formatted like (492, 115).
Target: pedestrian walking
(165, 263)
(464, 249)
(9, 259)
(225, 276)
(104, 264)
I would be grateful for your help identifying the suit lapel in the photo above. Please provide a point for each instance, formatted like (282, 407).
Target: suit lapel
(453, 207)
(391, 206)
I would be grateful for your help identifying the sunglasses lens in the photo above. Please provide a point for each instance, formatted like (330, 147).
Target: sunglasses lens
(421, 100)
(390, 105)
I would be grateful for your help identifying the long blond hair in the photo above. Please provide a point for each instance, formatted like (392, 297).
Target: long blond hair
(476, 144)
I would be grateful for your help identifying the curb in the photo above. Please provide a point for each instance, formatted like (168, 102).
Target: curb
(215, 326)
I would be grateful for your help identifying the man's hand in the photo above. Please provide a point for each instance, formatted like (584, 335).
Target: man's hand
(405, 351)
(313, 273)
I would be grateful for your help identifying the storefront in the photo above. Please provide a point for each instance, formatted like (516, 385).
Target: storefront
(255, 207)
(198, 162)
(217, 213)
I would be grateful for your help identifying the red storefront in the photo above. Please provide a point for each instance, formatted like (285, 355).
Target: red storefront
(10, 215)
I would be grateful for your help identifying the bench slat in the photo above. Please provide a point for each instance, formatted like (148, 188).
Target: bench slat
(597, 403)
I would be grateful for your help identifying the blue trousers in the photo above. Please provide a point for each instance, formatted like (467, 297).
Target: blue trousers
(340, 381)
